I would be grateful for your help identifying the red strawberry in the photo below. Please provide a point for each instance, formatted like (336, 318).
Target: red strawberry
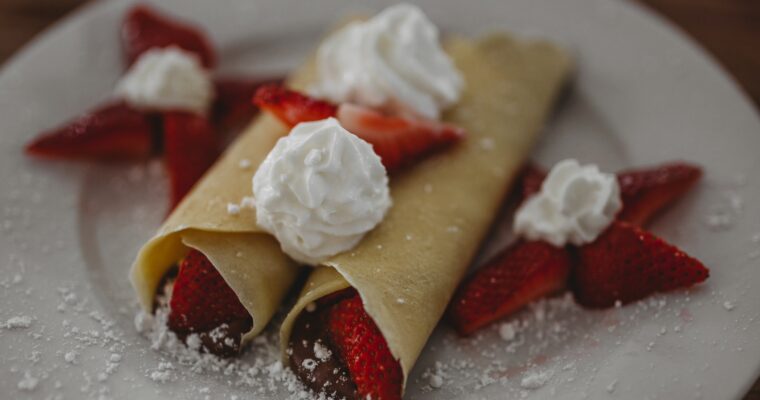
(522, 273)
(232, 105)
(647, 191)
(292, 107)
(190, 148)
(201, 300)
(626, 264)
(530, 181)
(144, 28)
(113, 131)
(361, 346)
(398, 141)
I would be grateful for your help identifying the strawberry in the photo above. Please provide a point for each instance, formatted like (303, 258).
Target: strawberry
(647, 191)
(232, 105)
(626, 264)
(361, 346)
(398, 141)
(201, 300)
(530, 181)
(292, 107)
(644, 191)
(112, 131)
(144, 28)
(522, 273)
(190, 148)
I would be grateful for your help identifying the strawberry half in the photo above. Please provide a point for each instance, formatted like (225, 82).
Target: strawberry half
(190, 148)
(144, 28)
(524, 272)
(363, 348)
(113, 131)
(292, 107)
(626, 264)
(202, 302)
(530, 181)
(233, 106)
(645, 192)
(398, 141)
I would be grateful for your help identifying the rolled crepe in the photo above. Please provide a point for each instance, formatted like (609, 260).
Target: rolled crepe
(407, 268)
(248, 259)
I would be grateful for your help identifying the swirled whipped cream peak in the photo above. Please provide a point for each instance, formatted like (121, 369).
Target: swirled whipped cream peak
(575, 205)
(319, 190)
(167, 79)
(392, 62)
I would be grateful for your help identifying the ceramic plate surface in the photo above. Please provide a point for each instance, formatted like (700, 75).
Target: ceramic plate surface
(642, 94)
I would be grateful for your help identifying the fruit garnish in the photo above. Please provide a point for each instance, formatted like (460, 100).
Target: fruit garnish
(363, 348)
(397, 140)
(626, 264)
(524, 272)
(646, 191)
(292, 107)
(202, 302)
(190, 148)
(145, 28)
(112, 131)
(530, 180)
(233, 106)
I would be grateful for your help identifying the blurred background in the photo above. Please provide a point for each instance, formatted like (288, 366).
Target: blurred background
(728, 29)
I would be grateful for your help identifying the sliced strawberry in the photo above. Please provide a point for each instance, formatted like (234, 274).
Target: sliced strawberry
(647, 191)
(112, 131)
(626, 264)
(233, 106)
(202, 301)
(530, 180)
(190, 148)
(363, 348)
(398, 141)
(292, 107)
(644, 191)
(522, 273)
(144, 28)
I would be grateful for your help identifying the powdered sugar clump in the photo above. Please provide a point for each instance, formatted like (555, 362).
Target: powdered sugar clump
(28, 383)
(536, 380)
(321, 351)
(18, 322)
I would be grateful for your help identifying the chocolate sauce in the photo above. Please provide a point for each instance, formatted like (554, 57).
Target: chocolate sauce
(329, 374)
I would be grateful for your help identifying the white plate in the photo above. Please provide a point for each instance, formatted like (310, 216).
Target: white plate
(643, 94)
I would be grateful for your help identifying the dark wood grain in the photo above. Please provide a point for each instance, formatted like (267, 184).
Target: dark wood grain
(728, 29)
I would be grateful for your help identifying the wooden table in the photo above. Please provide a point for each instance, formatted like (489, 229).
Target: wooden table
(729, 29)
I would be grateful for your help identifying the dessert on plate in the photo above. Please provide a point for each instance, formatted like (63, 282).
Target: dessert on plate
(375, 171)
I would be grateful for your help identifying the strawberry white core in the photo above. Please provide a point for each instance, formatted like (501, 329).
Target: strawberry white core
(393, 61)
(575, 205)
(319, 190)
(167, 79)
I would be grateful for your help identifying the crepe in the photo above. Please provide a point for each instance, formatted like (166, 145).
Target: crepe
(249, 259)
(407, 268)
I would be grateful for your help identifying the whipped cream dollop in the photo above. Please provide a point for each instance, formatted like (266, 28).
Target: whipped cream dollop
(575, 205)
(167, 79)
(319, 190)
(393, 61)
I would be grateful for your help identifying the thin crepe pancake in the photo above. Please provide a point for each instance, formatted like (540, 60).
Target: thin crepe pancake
(407, 269)
(249, 259)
